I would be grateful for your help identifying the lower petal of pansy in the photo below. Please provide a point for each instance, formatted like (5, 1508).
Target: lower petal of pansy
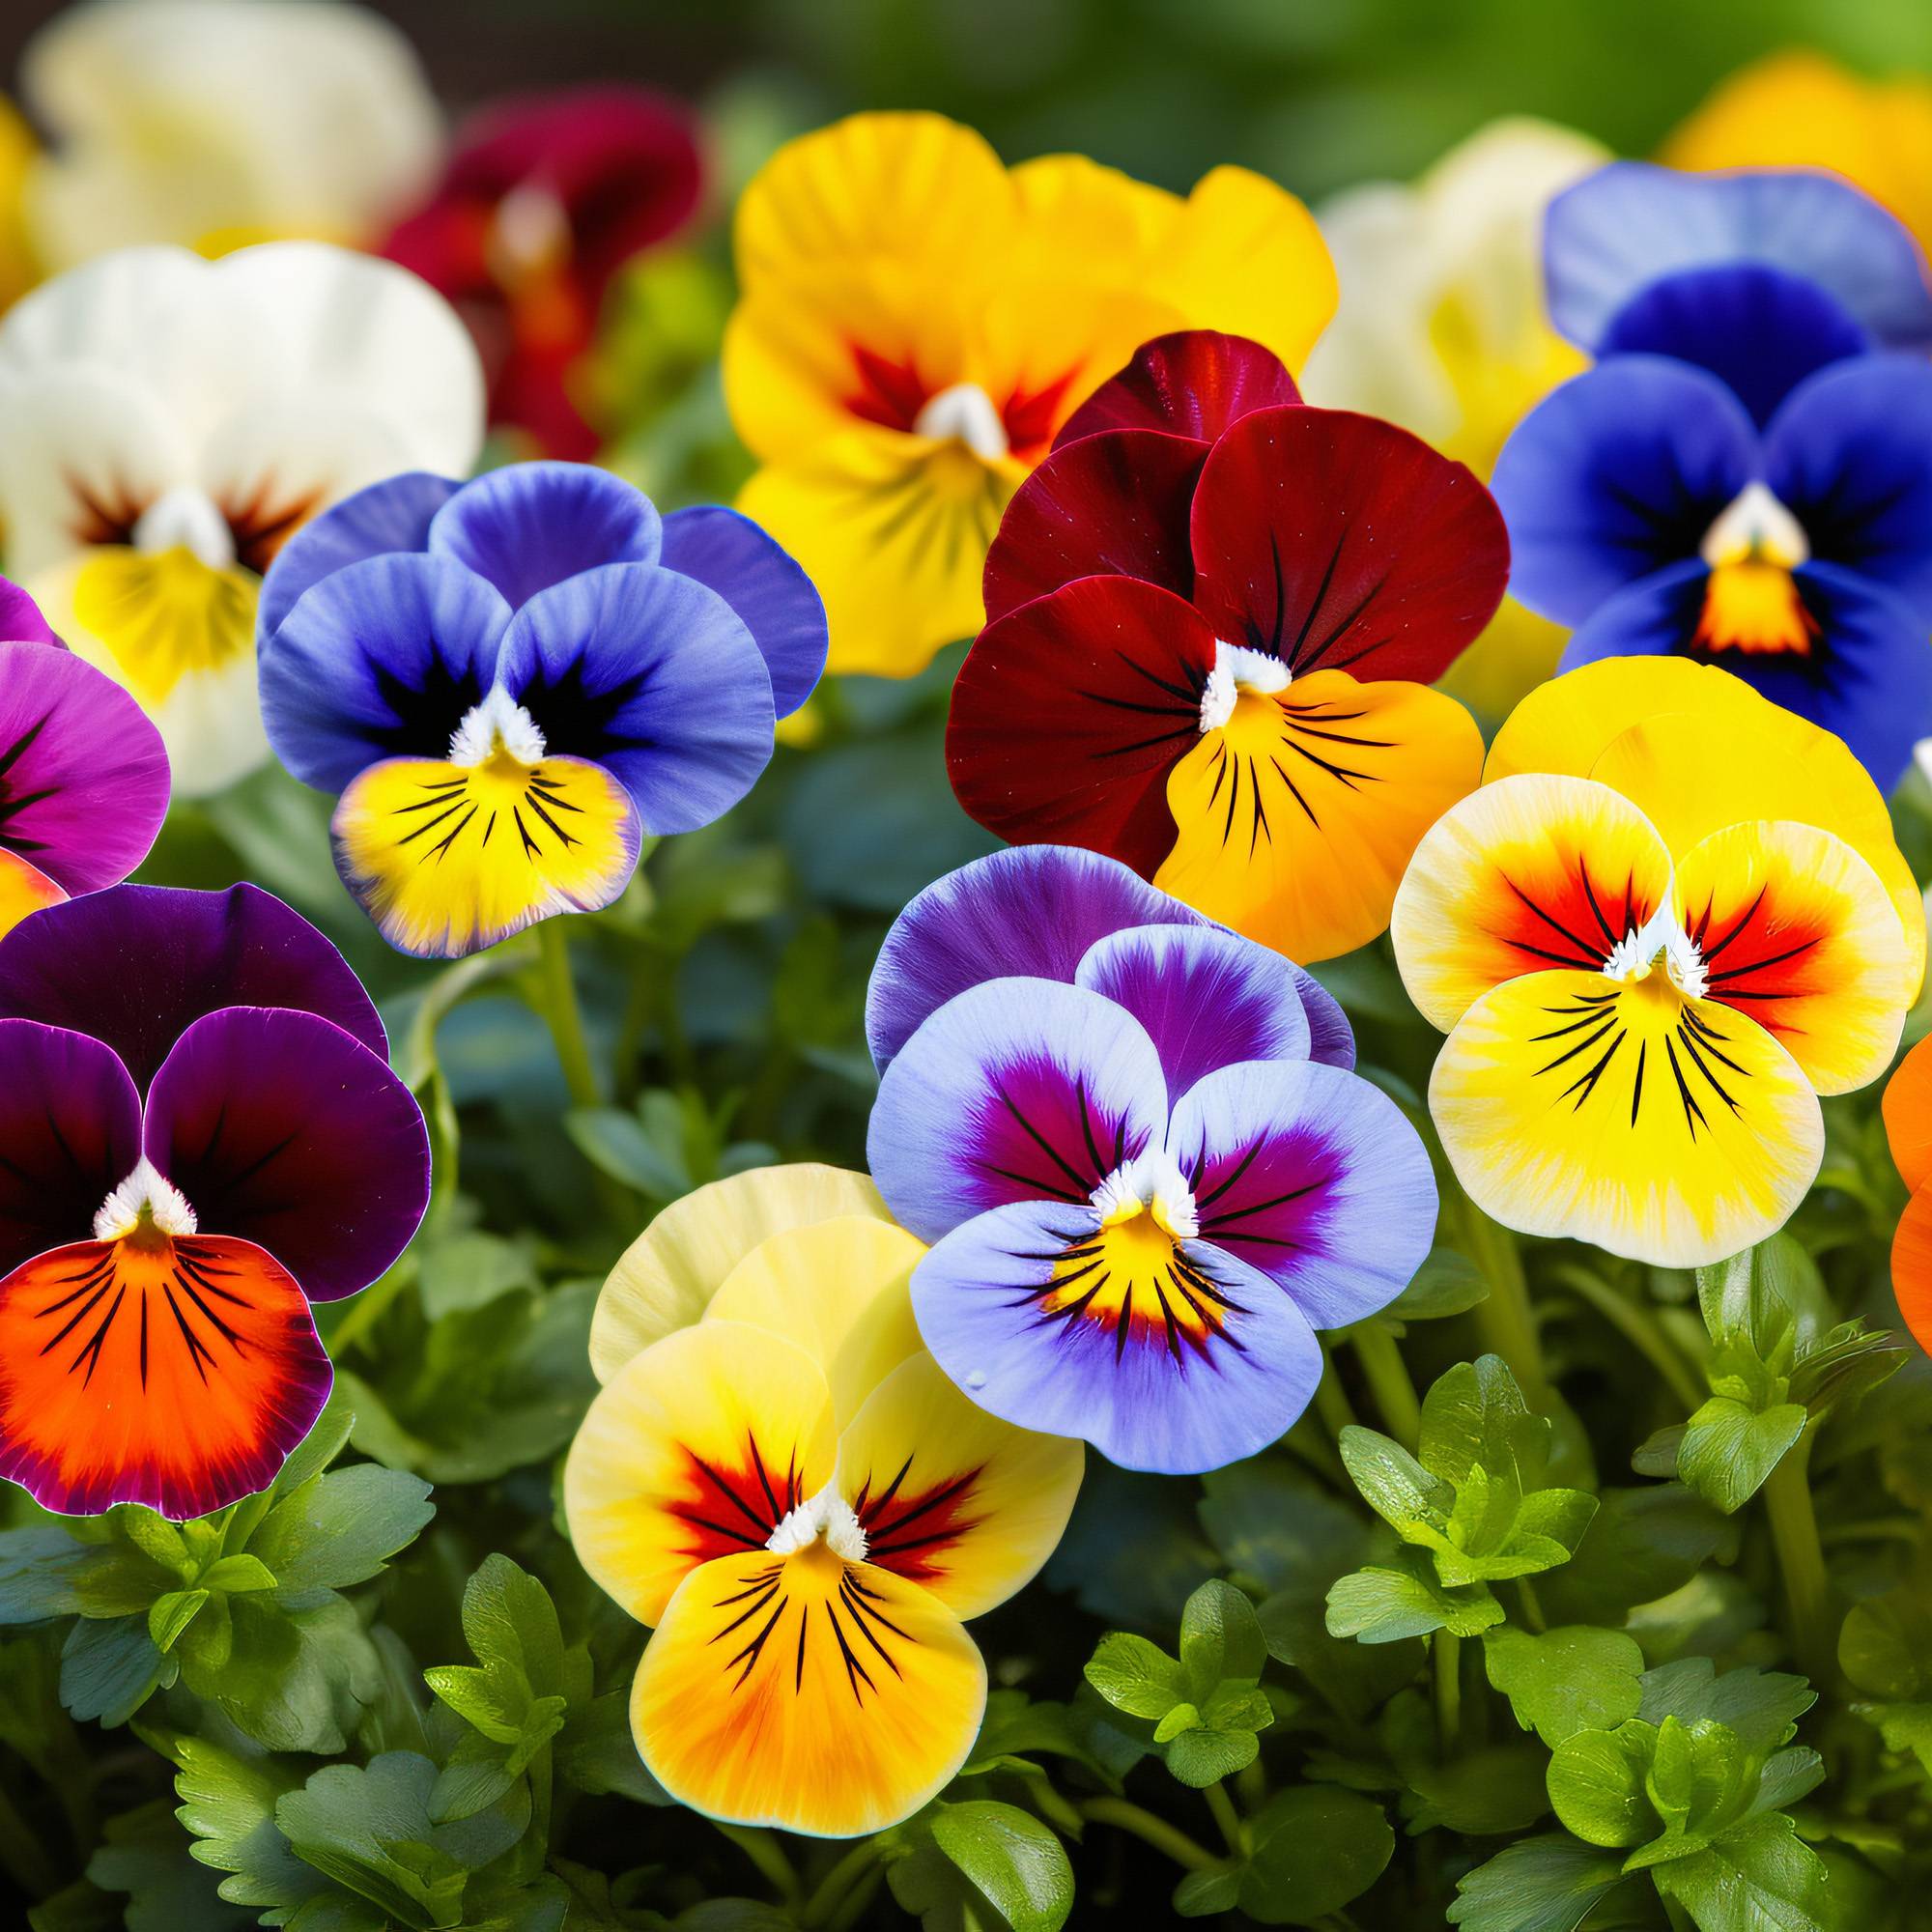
(1164, 1353)
(1794, 929)
(173, 1371)
(808, 1692)
(1669, 1131)
(698, 1448)
(1296, 818)
(164, 615)
(23, 888)
(1912, 1267)
(448, 859)
(1529, 873)
(948, 1495)
(1908, 1117)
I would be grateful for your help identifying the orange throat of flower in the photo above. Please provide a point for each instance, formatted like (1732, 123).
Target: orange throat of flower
(1754, 606)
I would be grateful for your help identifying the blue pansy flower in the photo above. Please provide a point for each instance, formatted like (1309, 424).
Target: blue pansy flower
(510, 682)
(1746, 476)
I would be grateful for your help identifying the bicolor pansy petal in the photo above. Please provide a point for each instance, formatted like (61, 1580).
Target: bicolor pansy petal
(1297, 812)
(1524, 875)
(392, 515)
(1195, 382)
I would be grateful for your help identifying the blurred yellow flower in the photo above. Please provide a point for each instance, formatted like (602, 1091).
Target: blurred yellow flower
(17, 154)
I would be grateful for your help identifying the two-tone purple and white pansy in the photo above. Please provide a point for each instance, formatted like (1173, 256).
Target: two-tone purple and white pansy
(1145, 1194)
(511, 681)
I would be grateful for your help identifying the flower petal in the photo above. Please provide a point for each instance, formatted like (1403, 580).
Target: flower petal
(392, 515)
(698, 1448)
(529, 526)
(1296, 819)
(23, 888)
(1670, 1131)
(1195, 382)
(20, 620)
(1908, 1121)
(1341, 543)
(283, 1130)
(449, 859)
(1018, 1090)
(179, 1377)
(1912, 1267)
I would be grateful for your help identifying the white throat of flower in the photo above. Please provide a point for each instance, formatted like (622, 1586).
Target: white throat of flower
(828, 1516)
(145, 1196)
(499, 723)
(964, 414)
(1237, 669)
(186, 518)
(1634, 955)
(1150, 1182)
(1755, 525)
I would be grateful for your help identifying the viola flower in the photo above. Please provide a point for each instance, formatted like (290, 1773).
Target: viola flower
(83, 776)
(199, 1136)
(212, 123)
(171, 421)
(1649, 974)
(783, 1484)
(1212, 613)
(18, 269)
(542, 200)
(511, 681)
(1145, 1196)
(1908, 1129)
(1745, 477)
(918, 322)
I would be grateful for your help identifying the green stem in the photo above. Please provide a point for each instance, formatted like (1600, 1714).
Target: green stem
(1638, 1327)
(1227, 1818)
(557, 1002)
(1331, 1399)
(1447, 1657)
(829, 1893)
(1531, 1606)
(1126, 1816)
(1389, 1381)
(766, 1852)
(847, 1916)
(1504, 1315)
(1800, 1561)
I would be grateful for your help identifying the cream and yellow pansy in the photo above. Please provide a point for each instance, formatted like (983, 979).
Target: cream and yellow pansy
(1671, 917)
(172, 421)
(782, 1483)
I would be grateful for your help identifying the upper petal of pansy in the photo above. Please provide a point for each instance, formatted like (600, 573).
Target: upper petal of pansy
(283, 1130)
(1069, 712)
(665, 1280)
(1846, 455)
(1336, 542)
(1795, 930)
(136, 965)
(1529, 873)
(1631, 223)
(1018, 1090)
(70, 1130)
(23, 888)
(1294, 820)
(380, 658)
(1113, 504)
(1906, 1107)
(1195, 382)
(1758, 329)
(1311, 1176)
(698, 1447)
(392, 515)
(653, 677)
(1671, 1132)
(950, 1496)
(83, 777)
(774, 599)
(20, 620)
(529, 526)
(1165, 1354)
(1617, 474)
(1206, 997)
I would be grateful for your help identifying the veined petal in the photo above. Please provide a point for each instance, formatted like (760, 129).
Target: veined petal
(948, 1495)
(1908, 1120)
(1912, 1267)
(1296, 819)
(161, 617)
(392, 515)
(23, 888)
(1796, 932)
(665, 1278)
(842, 1290)
(178, 1376)
(1195, 382)
(696, 1448)
(1018, 1090)
(529, 526)
(822, 1698)
(1668, 1130)
(1526, 874)
(20, 618)
(449, 859)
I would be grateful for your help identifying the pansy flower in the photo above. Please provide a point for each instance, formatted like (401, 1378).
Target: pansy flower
(783, 1484)
(1908, 1128)
(1212, 613)
(199, 1136)
(83, 776)
(170, 421)
(542, 200)
(1745, 477)
(1145, 1195)
(1649, 974)
(511, 681)
(918, 321)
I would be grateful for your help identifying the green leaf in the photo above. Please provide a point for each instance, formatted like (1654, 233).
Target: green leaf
(1447, 1283)
(1597, 1785)
(238, 1574)
(146, 1855)
(1136, 1676)
(1884, 1645)
(1549, 1884)
(1200, 1758)
(1474, 1417)
(596, 1753)
(109, 1668)
(1762, 1707)
(1730, 1448)
(1011, 1856)
(1486, 1794)
(1758, 1878)
(45, 1573)
(228, 1803)
(1643, 1544)
(341, 1528)
(292, 1681)
(1406, 1495)
(1907, 1728)
(1216, 1888)
(469, 1270)
(1313, 1849)
(1386, 1605)
(170, 1615)
(1220, 1638)
(1568, 1679)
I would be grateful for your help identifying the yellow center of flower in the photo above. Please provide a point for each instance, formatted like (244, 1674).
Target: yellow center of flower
(1751, 601)
(165, 616)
